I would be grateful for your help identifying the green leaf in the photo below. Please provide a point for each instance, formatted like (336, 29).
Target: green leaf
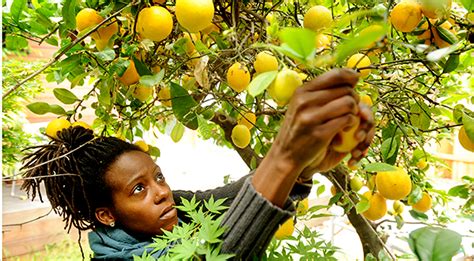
(415, 195)
(458, 112)
(13, 42)
(418, 215)
(370, 257)
(461, 191)
(261, 82)
(141, 67)
(468, 122)
(152, 80)
(389, 147)
(69, 13)
(446, 35)
(106, 55)
(56, 109)
(420, 115)
(38, 107)
(320, 190)
(120, 66)
(362, 205)
(355, 44)
(451, 64)
(177, 132)
(468, 4)
(435, 243)
(184, 106)
(378, 167)
(17, 8)
(43, 107)
(300, 40)
(65, 96)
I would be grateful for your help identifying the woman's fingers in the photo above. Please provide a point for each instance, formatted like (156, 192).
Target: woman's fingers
(332, 79)
(322, 97)
(333, 109)
(328, 130)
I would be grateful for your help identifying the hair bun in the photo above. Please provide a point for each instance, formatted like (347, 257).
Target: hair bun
(75, 136)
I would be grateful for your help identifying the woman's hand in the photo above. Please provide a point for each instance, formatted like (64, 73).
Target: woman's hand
(364, 137)
(317, 112)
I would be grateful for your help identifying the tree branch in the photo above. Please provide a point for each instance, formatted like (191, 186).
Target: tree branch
(65, 50)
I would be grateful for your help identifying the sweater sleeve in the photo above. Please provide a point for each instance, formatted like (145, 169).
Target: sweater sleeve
(251, 222)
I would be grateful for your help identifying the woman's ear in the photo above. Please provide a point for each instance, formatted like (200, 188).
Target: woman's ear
(105, 216)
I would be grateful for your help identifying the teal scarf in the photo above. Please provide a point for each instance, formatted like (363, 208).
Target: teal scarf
(115, 243)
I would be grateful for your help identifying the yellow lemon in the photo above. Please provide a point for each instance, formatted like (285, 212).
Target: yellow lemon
(322, 41)
(348, 141)
(398, 207)
(393, 185)
(333, 190)
(165, 96)
(191, 38)
(302, 207)
(142, 93)
(240, 136)
(103, 35)
(424, 204)
(87, 18)
(154, 23)
(194, 15)
(365, 99)
(130, 76)
(285, 230)
(357, 61)
(422, 164)
(238, 77)
(467, 143)
(284, 86)
(431, 35)
(142, 145)
(265, 62)
(436, 8)
(56, 126)
(378, 206)
(248, 119)
(82, 124)
(406, 16)
(317, 18)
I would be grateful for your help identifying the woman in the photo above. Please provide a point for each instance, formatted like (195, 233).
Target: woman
(111, 187)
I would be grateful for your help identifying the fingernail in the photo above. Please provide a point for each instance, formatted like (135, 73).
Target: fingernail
(360, 135)
(356, 153)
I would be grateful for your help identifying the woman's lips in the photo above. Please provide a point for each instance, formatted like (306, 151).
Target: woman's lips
(169, 213)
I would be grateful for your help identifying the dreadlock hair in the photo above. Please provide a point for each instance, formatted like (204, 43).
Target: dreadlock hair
(73, 169)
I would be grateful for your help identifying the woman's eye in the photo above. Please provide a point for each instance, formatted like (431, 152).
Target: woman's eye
(139, 188)
(160, 177)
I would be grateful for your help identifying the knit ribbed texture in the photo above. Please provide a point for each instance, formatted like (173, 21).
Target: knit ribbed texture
(251, 222)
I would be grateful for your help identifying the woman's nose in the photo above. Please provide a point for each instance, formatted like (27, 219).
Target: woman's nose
(161, 193)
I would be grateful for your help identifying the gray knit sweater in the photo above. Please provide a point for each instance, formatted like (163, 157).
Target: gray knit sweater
(251, 219)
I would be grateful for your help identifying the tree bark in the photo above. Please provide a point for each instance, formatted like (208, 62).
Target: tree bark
(364, 228)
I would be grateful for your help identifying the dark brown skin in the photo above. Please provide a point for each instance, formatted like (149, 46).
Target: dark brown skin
(141, 196)
(317, 112)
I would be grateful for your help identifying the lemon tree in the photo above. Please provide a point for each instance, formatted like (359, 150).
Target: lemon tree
(228, 70)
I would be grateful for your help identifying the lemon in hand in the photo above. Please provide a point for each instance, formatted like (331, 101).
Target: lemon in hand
(285, 230)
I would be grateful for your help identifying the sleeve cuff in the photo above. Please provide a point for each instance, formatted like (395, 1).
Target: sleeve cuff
(251, 222)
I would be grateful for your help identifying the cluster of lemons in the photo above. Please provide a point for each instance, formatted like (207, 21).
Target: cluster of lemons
(407, 16)
(393, 185)
(55, 126)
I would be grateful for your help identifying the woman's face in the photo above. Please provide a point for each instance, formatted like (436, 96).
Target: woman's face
(142, 201)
